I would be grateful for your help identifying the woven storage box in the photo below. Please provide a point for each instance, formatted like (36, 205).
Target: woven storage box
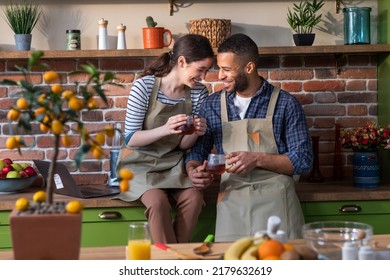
(216, 30)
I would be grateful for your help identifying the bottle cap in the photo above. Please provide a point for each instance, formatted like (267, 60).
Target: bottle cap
(121, 27)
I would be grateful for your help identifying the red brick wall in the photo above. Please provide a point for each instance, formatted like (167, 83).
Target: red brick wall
(347, 95)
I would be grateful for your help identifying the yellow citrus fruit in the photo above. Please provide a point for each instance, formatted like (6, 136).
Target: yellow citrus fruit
(74, 207)
(56, 127)
(43, 127)
(126, 174)
(269, 248)
(75, 104)
(56, 88)
(91, 104)
(11, 143)
(13, 115)
(21, 204)
(39, 196)
(109, 130)
(124, 185)
(42, 98)
(22, 103)
(50, 76)
(100, 138)
(67, 94)
(39, 111)
(66, 140)
(97, 152)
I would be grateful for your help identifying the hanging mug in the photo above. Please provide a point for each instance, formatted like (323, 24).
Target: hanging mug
(156, 37)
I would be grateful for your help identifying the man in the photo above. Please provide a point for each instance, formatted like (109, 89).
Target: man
(263, 133)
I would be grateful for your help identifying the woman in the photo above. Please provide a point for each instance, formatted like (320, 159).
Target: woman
(159, 102)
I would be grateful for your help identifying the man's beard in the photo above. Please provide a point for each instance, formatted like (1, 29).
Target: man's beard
(241, 82)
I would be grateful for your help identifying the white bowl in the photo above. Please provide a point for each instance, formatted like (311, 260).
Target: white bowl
(13, 185)
(328, 237)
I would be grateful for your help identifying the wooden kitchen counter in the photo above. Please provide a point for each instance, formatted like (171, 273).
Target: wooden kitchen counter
(326, 191)
(119, 252)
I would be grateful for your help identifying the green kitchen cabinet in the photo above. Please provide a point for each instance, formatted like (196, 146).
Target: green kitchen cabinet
(109, 226)
(374, 212)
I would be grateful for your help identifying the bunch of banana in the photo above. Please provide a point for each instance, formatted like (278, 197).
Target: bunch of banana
(244, 248)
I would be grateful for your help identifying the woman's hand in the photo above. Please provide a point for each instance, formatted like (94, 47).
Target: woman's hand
(174, 122)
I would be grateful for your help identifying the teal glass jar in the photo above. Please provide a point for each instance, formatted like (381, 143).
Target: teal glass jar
(357, 25)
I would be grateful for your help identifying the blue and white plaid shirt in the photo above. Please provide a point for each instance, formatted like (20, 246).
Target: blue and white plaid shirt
(289, 123)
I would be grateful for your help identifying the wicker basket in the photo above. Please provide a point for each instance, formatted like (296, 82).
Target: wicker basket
(216, 30)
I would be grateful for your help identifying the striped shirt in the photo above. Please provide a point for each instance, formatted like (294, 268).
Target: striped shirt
(289, 124)
(138, 102)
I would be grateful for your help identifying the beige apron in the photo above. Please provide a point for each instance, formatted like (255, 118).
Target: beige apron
(160, 164)
(246, 201)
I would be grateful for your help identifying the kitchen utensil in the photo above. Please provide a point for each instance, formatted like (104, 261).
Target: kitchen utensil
(181, 256)
(205, 247)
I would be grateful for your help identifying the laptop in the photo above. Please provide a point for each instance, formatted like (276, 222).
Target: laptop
(65, 184)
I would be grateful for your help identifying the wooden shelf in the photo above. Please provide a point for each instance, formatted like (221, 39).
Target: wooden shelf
(263, 51)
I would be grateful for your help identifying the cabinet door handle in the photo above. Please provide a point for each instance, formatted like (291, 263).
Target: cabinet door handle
(109, 215)
(350, 208)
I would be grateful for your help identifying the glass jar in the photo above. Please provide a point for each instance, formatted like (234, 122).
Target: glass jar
(357, 25)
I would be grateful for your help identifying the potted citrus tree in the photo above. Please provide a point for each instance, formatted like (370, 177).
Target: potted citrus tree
(153, 36)
(303, 19)
(22, 19)
(57, 112)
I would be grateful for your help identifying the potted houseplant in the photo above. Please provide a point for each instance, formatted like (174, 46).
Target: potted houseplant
(22, 19)
(153, 36)
(57, 112)
(302, 20)
(365, 142)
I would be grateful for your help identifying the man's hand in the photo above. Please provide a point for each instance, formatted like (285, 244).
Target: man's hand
(199, 177)
(241, 162)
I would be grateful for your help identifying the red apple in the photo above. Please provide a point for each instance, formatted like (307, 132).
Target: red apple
(23, 173)
(8, 161)
(7, 169)
(2, 176)
(30, 171)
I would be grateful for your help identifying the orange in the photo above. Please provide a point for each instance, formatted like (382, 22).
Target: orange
(269, 258)
(67, 94)
(100, 138)
(22, 103)
(288, 247)
(39, 111)
(75, 104)
(42, 98)
(56, 127)
(124, 185)
(270, 248)
(22, 204)
(39, 196)
(11, 143)
(91, 104)
(126, 174)
(97, 152)
(74, 207)
(50, 76)
(56, 88)
(110, 131)
(13, 115)
(66, 140)
(43, 127)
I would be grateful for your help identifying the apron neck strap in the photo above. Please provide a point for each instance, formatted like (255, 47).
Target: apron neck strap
(153, 97)
(224, 116)
(188, 101)
(272, 102)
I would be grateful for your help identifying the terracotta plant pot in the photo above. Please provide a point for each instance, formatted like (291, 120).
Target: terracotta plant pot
(46, 236)
(154, 37)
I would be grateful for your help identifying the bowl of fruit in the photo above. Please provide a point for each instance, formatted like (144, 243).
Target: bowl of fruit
(15, 176)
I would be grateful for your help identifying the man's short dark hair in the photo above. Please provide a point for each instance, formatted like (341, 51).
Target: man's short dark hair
(242, 46)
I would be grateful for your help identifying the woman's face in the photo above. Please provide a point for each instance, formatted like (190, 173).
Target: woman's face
(196, 71)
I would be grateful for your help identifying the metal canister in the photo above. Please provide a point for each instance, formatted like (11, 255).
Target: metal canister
(73, 39)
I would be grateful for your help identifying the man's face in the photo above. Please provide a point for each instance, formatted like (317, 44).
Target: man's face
(232, 72)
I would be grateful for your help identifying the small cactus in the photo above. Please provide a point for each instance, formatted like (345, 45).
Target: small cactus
(150, 22)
